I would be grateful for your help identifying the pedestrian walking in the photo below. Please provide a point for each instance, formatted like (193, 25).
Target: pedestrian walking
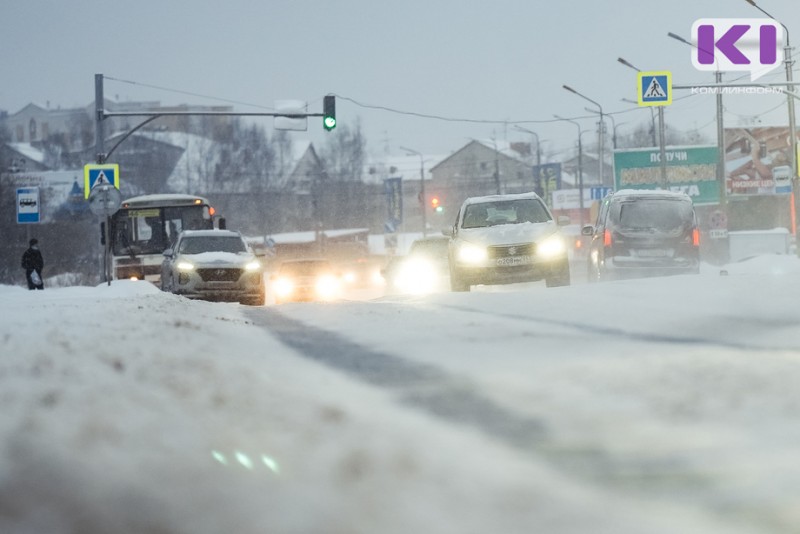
(33, 263)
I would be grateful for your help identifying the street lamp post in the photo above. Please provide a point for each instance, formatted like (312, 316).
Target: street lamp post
(600, 132)
(580, 166)
(538, 146)
(652, 119)
(423, 201)
(661, 134)
(723, 193)
(787, 57)
(614, 127)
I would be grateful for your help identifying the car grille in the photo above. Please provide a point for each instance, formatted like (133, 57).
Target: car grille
(525, 249)
(220, 274)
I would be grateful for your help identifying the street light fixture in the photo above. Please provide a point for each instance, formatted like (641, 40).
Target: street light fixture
(423, 201)
(661, 134)
(600, 131)
(580, 166)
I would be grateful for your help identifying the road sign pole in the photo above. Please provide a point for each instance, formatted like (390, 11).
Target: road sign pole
(662, 149)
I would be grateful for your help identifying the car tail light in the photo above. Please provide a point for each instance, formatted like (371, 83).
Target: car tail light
(607, 238)
(696, 237)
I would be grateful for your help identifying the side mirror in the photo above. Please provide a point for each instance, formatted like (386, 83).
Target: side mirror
(168, 253)
(563, 220)
(587, 230)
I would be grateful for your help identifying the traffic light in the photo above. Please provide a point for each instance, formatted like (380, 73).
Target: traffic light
(329, 112)
(436, 205)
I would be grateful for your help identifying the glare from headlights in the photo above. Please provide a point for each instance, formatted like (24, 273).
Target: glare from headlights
(185, 266)
(552, 246)
(253, 266)
(416, 276)
(471, 253)
(283, 287)
(349, 277)
(327, 286)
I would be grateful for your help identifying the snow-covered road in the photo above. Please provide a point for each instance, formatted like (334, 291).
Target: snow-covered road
(663, 405)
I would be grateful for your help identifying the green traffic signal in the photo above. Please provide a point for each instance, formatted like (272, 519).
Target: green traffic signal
(329, 112)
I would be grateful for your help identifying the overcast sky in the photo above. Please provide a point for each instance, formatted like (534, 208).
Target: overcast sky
(487, 61)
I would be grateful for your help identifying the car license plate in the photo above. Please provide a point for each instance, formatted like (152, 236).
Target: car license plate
(513, 260)
(652, 253)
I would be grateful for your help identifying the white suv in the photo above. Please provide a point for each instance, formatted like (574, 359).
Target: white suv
(504, 239)
(213, 265)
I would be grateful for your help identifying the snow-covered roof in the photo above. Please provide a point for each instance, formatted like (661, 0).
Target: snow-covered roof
(310, 236)
(28, 150)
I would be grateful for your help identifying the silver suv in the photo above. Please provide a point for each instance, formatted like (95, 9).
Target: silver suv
(504, 239)
(213, 265)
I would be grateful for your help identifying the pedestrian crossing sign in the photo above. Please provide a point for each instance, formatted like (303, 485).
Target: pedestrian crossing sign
(97, 175)
(654, 88)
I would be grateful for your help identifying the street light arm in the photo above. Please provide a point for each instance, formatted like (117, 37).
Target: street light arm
(627, 64)
(758, 7)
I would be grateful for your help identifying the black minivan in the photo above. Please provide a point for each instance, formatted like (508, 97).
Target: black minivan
(643, 233)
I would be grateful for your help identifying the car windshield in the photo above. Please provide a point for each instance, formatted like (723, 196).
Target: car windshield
(526, 210)
(653, 214)
(200, 244)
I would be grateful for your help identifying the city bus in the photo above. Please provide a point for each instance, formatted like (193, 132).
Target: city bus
(147, 225)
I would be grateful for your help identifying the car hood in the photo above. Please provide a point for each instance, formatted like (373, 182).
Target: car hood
(218, 259)
(508, 234)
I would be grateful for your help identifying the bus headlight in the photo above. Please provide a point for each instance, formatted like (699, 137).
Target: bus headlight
(550, 247)
(185, 266)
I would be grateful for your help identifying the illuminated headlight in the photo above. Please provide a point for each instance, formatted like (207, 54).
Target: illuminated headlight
(283, 287)
(327, 286)
(417, 276)
(552, 246)
(185, 266)
(349, 277)
(252, 266)
(471, 254)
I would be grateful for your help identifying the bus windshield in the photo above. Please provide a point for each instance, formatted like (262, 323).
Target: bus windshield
(138, 231)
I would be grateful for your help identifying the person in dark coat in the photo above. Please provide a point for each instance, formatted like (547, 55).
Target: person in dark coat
(33, 262)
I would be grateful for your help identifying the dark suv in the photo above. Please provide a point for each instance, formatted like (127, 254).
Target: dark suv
(643, 233)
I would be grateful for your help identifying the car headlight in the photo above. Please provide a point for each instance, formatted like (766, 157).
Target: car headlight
(185, 266)
(327, 286)
(252, 266)
(283, 287)
(468, 253)
(416, 276)
(552, 246)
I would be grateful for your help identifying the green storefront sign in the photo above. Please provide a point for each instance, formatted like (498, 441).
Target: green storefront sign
(691, 170)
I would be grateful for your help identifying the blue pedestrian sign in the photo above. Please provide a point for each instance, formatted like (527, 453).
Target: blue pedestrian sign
(27, 205)
(654, 88)
(96, 175)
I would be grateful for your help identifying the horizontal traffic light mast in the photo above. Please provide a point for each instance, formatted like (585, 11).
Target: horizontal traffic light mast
(328, 117)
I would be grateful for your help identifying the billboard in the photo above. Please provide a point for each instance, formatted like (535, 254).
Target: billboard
(690, 169)
(758, 161)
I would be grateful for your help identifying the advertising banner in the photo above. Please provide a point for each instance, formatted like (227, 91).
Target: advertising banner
(691, 170)
(758, 161)
(393, 188)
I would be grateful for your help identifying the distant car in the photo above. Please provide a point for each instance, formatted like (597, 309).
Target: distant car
(306, 280)
(503, 239)
(423, 270)
(643, 233)
(213, 265)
